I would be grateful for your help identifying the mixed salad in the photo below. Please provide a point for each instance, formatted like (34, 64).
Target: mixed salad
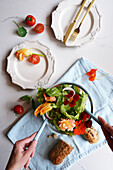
(64, 105)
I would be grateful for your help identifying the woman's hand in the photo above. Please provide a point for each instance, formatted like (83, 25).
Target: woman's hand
(108, 132)
(21, 156)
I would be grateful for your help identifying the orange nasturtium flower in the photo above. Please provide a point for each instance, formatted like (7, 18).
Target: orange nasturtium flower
(92, 74)
(80, 128)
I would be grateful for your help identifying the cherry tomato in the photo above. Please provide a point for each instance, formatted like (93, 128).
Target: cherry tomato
(34, 59)
(18, 109)
(39, 28)
(30, 20)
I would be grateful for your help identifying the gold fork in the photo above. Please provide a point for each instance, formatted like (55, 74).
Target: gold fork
(73, 23)
(77, 30)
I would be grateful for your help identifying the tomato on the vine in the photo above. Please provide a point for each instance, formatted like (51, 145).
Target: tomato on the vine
(18, 109)
(34, 59)
(39, 28)
(30, 20)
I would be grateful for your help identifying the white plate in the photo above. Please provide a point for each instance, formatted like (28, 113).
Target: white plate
(24, 73)
(65, 14)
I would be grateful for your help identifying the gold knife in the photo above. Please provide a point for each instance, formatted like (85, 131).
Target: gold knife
(73, 23)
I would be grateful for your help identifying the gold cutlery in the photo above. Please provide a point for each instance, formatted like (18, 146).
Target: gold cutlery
(77, 30)
(73, 23)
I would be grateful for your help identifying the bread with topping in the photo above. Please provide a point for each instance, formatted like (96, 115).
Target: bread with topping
(91, 135)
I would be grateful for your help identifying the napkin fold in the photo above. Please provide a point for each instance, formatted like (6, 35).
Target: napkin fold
(101, 92)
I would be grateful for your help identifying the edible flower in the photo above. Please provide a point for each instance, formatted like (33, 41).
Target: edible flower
(66, 124)
(84, 116)
(24, 52)
(88, 124)
(80, 128)
(92, 74)
(81, 125)
(51, 99)
(43, 108)
(71, 100)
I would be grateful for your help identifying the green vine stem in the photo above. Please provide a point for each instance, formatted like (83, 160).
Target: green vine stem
(16, 23)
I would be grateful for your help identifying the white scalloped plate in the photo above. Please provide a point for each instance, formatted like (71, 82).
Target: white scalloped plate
(24, 73)
(65, 14)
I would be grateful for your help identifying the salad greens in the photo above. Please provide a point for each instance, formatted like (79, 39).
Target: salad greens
(29, 99)
(26, 98)
(60, 110)
(53, 92)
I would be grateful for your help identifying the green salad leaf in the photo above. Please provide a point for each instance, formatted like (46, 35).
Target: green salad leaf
(59, 101)
(33, 104)
(65, 110)
(53, 105)
(40, 94)
(76, 89)
(62, 86)
(81, 103)
(26, 98)
(29, 99)
(53, 92)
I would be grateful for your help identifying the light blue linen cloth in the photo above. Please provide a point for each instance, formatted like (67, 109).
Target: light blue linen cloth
(101, 92)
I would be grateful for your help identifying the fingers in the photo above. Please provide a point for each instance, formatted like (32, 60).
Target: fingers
(31, 148)
(27, 144)
(106, 133)
(28, 139)
(102, 120)
(106, 125)
(32, 154)
(108, 138)
(27, 163)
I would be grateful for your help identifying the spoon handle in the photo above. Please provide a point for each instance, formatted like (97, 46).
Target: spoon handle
(94, 117)
(40, 130)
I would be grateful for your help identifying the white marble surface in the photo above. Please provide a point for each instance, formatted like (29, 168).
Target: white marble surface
(99, 51)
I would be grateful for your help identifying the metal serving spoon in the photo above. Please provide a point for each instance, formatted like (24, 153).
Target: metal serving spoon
(94, 117)
(40, 130)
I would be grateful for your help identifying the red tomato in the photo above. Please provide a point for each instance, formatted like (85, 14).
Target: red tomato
(34, 59)
(30, 20)
(18, 109)
(39, 28)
